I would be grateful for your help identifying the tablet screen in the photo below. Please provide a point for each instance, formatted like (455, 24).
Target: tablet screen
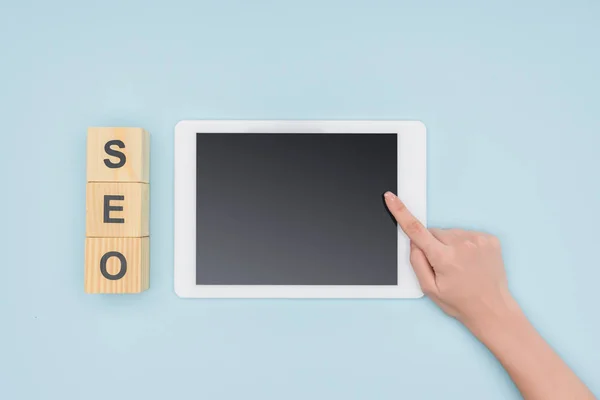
(295, 209)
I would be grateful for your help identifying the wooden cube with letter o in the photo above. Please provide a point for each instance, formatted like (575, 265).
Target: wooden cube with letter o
(117, 265)
(117, 251)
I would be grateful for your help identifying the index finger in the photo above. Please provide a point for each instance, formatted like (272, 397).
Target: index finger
(413, 228)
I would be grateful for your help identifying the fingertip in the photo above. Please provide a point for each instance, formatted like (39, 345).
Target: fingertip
(389, 196)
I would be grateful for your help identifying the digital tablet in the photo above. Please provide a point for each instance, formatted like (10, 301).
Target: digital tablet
(295, 209)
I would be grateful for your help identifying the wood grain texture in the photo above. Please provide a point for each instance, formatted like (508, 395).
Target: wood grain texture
(135, 215)
(136, 252)
(134, 146)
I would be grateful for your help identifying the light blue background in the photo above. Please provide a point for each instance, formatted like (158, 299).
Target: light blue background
(509, 91)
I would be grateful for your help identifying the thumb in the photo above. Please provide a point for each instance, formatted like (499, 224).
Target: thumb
(422, 269)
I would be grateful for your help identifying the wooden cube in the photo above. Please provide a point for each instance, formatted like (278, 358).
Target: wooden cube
(118, 155)
(118, 209)
(117, 265)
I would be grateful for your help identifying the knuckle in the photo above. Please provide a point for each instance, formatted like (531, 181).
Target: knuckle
(494, 241)
(470, 244)
(413, 227)
(481, 240)
(485, 240)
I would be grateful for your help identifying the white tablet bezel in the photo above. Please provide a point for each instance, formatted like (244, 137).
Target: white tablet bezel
(412, 189)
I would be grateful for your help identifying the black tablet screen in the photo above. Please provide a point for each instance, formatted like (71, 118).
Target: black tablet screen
(295, 209)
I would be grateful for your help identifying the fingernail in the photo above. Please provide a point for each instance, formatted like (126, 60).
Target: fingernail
(389, 195)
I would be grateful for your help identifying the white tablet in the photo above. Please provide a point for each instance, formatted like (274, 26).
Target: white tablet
(294, 209)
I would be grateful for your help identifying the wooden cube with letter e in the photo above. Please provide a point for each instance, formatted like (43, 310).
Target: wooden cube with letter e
(117, 209)
(117, 251)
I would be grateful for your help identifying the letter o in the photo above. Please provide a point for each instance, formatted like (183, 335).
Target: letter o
(121, 272)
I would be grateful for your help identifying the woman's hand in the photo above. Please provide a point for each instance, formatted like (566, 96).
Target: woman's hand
(461, 271)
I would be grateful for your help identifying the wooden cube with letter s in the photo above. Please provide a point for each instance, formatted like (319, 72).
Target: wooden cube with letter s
(117, 251)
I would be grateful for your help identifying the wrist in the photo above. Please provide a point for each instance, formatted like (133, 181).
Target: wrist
(498, 319)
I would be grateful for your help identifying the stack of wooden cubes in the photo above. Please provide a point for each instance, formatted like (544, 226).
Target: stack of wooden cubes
(117, 245)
